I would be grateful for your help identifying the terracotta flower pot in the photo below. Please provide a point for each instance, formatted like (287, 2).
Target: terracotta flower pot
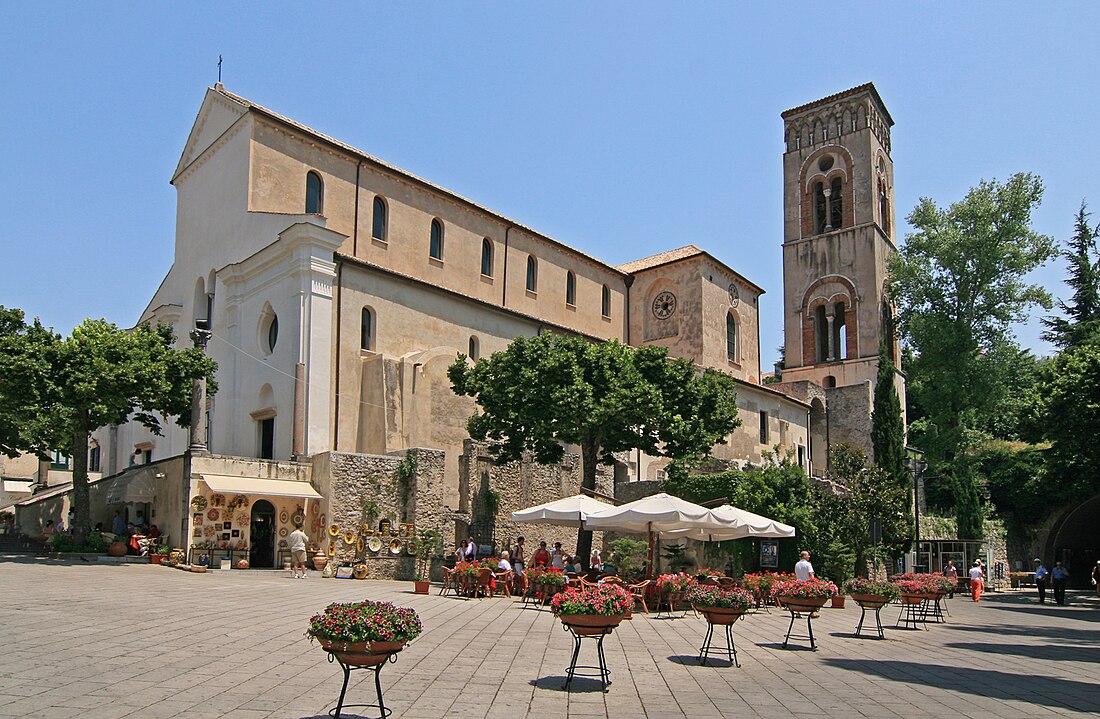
(156, 558)
(117, 549)
(722, 615)
(421, 586)
(837, 602)
(915, 598)
(803, 604)
(361, 654)
(319, 560)
(870, 601)
(591, 624)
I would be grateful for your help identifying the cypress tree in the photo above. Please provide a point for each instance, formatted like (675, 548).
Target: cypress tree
(1082, 312)
(887, 429)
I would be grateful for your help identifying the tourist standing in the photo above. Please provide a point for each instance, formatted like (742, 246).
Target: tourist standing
(298, 540)
(542, 557)
(1060, 575)
(952, 574)
(803, 570)
(1041, 574)
(1096, 578)
(118, 524)
(518, 562)
(557, 557)
(976, 577)
(470, 554)
(596, 560)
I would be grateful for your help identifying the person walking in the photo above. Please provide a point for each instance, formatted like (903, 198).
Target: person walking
(1096, 578)
(1041, 575)
(803, 570)
(518, 561)
(298, 541)
(1060, 575)
(952, 575)
(977, 576)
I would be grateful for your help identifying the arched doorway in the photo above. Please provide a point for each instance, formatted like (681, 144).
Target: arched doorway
(262, 535)
(1074, 541)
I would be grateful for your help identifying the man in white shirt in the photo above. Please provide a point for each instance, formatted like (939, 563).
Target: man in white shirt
(803, 570)
(298, 541)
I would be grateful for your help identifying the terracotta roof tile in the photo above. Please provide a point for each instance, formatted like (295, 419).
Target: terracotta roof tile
(661, 258)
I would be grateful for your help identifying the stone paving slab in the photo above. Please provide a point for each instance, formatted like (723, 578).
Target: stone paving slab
(99, 641)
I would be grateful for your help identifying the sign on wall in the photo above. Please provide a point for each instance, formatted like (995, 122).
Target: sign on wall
(769, 554)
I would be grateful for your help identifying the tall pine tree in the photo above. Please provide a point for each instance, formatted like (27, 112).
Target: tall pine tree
(1083, 309)
(888, 442)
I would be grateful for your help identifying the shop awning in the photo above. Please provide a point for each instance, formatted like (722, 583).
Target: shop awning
(225, 484)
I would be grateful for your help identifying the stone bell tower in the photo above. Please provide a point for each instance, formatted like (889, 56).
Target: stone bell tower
(838, 232)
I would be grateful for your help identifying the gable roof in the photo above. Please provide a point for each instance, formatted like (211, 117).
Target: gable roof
(683, 253)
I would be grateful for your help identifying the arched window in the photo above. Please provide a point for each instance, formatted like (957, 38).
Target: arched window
(888, 332)
(487, 257)
(435, 246)
(378, 226)
(731, 338)
(570, 288)
(605, 301)
(819, 208)
(836, 204)
(840, 333)
(821, 334)
(532, 274)
(315, 193)
(366, 330)
(474, 348)
(272, 332)
(884, 207)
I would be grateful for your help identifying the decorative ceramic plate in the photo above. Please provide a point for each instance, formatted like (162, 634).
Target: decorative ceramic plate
(349, 538)
(364, 530)
(283, 516)
(198, 503)
(217, 500)
(209, 531)
(374, 544)
(213, 515)
(334, 530)
(322, 518)
(299, 519)
(360, 546)
(410, 546)
(282, 531)
(331, 547)
(314, 508)
(242, 501)
(282, 544)
(395, 546)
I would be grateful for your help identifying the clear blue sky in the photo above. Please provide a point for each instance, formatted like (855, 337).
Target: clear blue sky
(621, 128)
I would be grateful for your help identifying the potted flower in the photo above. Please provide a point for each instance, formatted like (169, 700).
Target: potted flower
(720, 606)
(364, 633)
(427, 544)
(159, 553)
(592, 611)
(871, 594)
(803, 596)
(118, 546)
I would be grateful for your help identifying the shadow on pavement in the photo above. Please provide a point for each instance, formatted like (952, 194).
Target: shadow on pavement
(692, 660)
(580, 685)
(1044, 652)
(1030, 688)
(795, 645)
(1076, 636)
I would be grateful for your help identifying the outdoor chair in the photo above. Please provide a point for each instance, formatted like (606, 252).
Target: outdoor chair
(449, 583)
(638, 591)
(726, 582)
(484, 587)
(504, 582)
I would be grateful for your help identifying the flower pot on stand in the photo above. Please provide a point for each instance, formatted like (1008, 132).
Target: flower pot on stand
(591, 625)
(721, 615)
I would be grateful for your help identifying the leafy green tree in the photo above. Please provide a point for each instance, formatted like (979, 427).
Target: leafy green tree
(1082, 312)
(25, 377)
(866, 493)
(969, 510)
(102, 375)
(958, 282)
(1073, 420)
(1017, 477)
(887, 427)
(544, 392)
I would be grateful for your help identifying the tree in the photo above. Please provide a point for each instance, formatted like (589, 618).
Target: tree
(887, 427)
(102, 375)
(958, 282)
(1083, 310)
(544, 392)
(1073, 421)
(25, 376)
(866, 493)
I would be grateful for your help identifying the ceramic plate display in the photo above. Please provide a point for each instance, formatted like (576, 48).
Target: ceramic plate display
(282, 531)
(283, 516)
(395, 546)
(299, 519)
(322, 518)
(314, 509)
(334, 530)
(331, 547)
(209, 531)
(364, 530)
(242, 501)
(217, 500)
(349, 538)
(374, 543)
(410, 546)
(360, 546)
(213, 515)
(282, 544)
(198, 503)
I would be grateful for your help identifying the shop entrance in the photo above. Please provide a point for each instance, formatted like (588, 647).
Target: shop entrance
(262, 535)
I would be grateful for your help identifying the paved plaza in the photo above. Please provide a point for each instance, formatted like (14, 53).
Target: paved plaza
(111, 641)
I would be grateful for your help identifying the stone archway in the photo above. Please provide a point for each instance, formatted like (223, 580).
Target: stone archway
(1073, 540)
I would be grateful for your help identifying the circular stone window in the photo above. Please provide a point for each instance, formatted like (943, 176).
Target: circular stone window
(825, 164)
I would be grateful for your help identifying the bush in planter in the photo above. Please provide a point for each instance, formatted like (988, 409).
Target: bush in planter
(860, 585)
(428, 542)
(606, 600)
(809, 589)
(931, 583)
(707, 597)
(365, 621)
(61, 543)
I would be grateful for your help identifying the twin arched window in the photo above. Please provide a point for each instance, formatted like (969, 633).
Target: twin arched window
(828, 207)
(830, 333)
(378, 224)
(315, 193)
(435, 244)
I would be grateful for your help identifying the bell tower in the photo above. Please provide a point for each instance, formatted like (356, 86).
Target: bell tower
(838, 233)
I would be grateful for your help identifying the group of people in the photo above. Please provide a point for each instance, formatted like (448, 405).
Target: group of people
(1057, 577)
(516, 560)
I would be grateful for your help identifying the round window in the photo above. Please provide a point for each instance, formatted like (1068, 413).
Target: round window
(825, 164)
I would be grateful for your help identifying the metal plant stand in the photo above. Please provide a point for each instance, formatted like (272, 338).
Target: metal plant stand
(876, 608)
(795, 613)
(730, 649)
(913, 616)
(601, 671)
(383, 711)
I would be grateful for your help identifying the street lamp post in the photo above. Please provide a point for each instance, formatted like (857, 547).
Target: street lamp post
(917, 465)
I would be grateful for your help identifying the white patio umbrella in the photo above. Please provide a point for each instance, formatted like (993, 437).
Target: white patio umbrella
(655, 515)
(565, 512)
(740, 523)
